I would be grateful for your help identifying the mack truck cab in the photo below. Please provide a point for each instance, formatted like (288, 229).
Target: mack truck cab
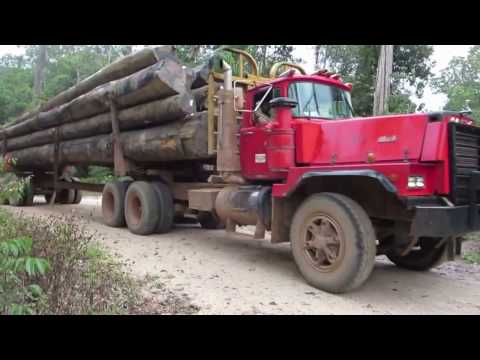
(343, 189)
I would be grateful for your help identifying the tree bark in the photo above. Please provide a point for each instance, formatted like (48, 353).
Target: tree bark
(40, 65)
(121, 68)
(140, 116)
(165, 78)
(384, 73)
(180, 140)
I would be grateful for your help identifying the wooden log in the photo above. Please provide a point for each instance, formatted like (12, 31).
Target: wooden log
(123, 67)
(140, 116)
(200, 75)
(175, 141)
(163, 79)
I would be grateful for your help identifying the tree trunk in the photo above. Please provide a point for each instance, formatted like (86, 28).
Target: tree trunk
(121, 68)
(384, 74)
(176, 141)
(140, 116)
(40, 65)
(165, 78)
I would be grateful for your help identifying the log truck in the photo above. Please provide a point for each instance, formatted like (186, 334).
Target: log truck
(288, 156)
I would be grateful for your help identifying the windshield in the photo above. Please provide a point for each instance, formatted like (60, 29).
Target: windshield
(320, 101)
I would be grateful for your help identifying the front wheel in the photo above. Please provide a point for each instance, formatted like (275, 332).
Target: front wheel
(422, 258)
(333, 242)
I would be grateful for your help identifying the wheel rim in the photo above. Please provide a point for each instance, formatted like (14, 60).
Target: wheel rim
(324, 243)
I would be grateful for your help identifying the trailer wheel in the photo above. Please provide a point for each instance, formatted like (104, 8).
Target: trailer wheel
(48, 197)
(113, 203)
(78, 197)
(65, 196)
(210, 220)
(423, 258)
(29, 195)
(333, 242)
(166, 211)
(142, 208)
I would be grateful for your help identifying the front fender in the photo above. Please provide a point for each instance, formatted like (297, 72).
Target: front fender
(293, 184)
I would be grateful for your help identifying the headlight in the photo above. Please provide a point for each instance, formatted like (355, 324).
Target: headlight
(416, 182)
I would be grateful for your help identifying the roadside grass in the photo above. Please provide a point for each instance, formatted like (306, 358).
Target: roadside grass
(473, 255)
(78, 277)
(67, 272)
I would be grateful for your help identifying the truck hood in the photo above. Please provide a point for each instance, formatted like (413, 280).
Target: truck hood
(359, 140)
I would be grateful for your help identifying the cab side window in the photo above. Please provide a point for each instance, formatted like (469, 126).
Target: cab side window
(264, 113)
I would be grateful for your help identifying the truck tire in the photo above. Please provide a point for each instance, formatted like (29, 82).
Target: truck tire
(48, 197)
(210, 220)
(78, 197)
(29, 195)
(142, 208)
(65, 196)
(422, 259)
(333, 242)
(113, 203)
(166, 210)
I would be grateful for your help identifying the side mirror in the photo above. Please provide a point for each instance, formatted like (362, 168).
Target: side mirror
(283, 102)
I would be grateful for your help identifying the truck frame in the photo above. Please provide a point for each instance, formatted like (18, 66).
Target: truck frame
(288, 156)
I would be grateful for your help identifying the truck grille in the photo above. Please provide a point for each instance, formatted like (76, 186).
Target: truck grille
(464, 143)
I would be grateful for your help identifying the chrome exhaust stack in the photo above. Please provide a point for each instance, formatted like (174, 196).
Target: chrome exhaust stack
(228, 152)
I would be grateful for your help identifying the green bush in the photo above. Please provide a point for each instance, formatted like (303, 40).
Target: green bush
(19, 292)
(52, 266)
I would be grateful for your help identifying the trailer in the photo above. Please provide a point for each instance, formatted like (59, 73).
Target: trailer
(282, 153)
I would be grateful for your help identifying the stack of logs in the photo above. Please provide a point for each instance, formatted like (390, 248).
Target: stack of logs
(157, 104)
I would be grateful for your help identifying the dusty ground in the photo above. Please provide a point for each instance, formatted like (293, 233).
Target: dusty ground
(238, 275)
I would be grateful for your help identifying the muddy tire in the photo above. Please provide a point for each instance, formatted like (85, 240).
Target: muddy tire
(78, 197)
(210, 220)
(48, 197)
(65, 196)
(113, 203)
(166, 210)
(424, 258)
(29, 195)
(333, 242)
(142, 208)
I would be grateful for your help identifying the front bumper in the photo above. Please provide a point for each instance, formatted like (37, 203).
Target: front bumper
(450, 221)
(445, 221)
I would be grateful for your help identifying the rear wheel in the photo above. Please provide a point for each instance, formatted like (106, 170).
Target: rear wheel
(29, 195)
(113, 203)
(333, 242)
(78, 197)
(166, 211)
(142, 208)
(425, 257)
(65, 196)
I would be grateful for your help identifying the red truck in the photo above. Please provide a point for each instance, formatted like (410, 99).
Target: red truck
(291, 158)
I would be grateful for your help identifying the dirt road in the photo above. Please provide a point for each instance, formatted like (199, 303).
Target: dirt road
(238, 275)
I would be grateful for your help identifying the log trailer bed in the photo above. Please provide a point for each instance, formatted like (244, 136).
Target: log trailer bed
(223, 145)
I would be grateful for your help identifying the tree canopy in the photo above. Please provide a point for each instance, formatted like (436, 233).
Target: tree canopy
(358, 64)
(460, 81)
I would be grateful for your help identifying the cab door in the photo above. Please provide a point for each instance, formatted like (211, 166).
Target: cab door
(253, 139)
